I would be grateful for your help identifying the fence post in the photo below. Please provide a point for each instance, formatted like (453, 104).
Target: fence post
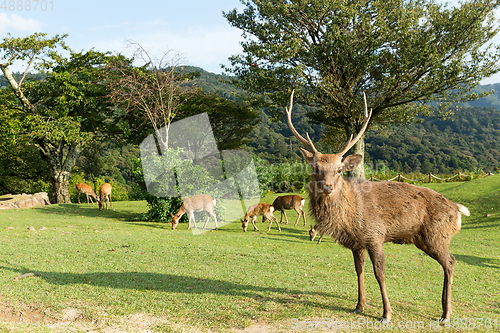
(371, 178)
(459, 176)
(399, 177)
(430, 177)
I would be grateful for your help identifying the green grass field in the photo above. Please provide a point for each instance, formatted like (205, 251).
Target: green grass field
(107, 272)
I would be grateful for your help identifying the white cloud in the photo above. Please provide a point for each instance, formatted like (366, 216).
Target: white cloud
(206, 48)
(13, 22)
(202, 46)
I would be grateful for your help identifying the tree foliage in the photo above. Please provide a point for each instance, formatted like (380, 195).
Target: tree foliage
(231, 120)
(407, 56)
(60, 113)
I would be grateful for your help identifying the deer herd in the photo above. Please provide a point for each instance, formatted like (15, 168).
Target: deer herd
(104, 194)
(358, 214)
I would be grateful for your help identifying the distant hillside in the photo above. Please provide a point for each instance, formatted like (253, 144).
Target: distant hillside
(491, 101)
(470, 141)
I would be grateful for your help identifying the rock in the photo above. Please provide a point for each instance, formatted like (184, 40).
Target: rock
(10, 201)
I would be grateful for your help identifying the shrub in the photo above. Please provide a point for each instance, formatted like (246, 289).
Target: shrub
(165, 174)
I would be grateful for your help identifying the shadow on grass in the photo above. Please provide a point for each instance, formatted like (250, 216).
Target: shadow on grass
(89, 211)
(479, 261)
(146, 281)
(481, 223)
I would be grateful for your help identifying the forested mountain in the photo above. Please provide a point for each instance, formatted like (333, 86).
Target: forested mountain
(492, 100)
(470, 140)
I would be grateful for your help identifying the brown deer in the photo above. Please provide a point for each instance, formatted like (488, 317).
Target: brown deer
(363, 215)
(292, 201)
(89, 192)
(312, 234)
(105, 195)
(196, 203)
(260, 209)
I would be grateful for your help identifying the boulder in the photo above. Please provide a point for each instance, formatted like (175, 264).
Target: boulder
(9, 201)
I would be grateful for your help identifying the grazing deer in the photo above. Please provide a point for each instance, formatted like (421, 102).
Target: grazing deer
(312, 234)
(196, 203)
(89, 192)
(259, 209)
(363, 215)
(105, 195)
(292, 201)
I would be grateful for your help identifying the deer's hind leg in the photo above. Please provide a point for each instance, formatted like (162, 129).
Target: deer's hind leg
(377, 257)
(439, 251)
(271, 218)
(211, 213)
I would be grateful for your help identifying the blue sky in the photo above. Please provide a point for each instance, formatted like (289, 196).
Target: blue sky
(194, 29)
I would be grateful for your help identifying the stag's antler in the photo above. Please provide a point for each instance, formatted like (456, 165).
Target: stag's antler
(308, 143)
(351, 142)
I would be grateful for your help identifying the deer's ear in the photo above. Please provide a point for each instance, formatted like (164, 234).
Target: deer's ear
(308, 156)
(351, 161)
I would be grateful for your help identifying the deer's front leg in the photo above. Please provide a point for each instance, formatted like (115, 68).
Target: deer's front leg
(286, 218)
(191, 217)
(253, 222)
(359, 264)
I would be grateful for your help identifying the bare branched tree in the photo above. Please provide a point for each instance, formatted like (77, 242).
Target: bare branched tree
(150, 89)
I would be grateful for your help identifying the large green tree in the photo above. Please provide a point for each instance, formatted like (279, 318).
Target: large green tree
(62, 112)
(231, 120)
(408, 56)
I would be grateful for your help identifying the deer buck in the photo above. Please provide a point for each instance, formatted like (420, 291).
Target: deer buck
(363, 215)
(105, 195)
(290, 202)
(196, 203)
(259, 209)
(89, 192)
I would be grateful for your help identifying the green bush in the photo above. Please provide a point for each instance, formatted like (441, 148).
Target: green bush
(283, 177)
(167, 200)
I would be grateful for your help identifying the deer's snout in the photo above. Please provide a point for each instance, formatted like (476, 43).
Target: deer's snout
(327, 189)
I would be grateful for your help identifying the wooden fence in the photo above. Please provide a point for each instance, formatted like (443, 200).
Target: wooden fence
(428, 178)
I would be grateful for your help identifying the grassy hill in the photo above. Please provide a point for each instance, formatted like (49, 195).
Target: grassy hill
(102, 270)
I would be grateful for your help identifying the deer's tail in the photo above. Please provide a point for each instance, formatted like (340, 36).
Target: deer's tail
(462, 209)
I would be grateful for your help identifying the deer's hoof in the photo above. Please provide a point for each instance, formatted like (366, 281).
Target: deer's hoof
(357, 311)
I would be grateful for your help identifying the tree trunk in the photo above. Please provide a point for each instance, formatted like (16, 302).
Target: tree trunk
(60, 187)
(358, 148)
(61, 159)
